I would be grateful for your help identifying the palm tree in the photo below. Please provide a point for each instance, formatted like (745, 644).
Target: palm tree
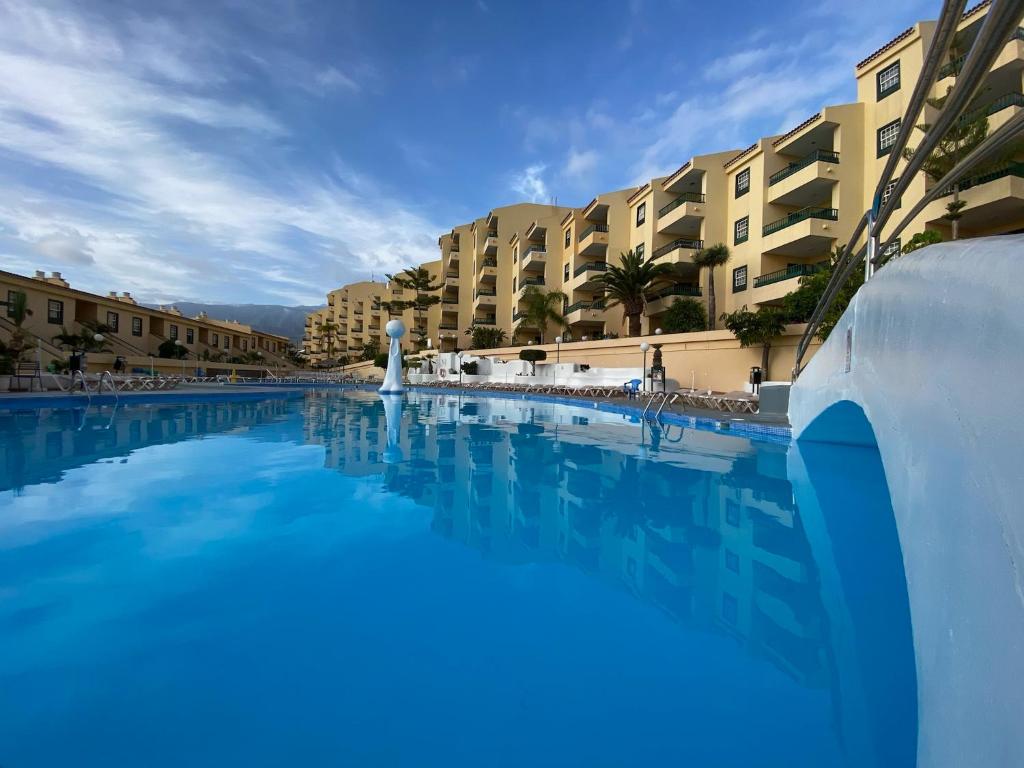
(327, 330)
(18, 312)
(543, 308)
(627, 284)
(709, 258)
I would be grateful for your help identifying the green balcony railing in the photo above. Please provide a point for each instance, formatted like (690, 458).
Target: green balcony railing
(490, 261)
(1003, 102)
(954, 67)
(540, 250)
(686, 197)
(831, 214)
(590, 266)
(449, 300)
(823, 155)
(448, 326)
(1010, 169)
(675, 290)
(680, 242)
(597, 304)
(484, 292)
(492, 234)
(492, 320)
(793, 270)
(590, 230)
(530, 281)
(452, 276)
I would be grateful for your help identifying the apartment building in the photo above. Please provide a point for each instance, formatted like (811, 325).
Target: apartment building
(782, 206)
(130, 330)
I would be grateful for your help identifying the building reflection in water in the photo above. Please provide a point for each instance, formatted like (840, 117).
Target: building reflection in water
(702, 525)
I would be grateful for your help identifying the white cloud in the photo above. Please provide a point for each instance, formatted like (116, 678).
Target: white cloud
(156, 212)
(581, 164)
(529, 183)
(332, 79)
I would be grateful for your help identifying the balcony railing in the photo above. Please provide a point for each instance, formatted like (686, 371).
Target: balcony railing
(680, 242)
(597, 304)
(490, 261)
(484, 292)
(590, 230)
(675, 290)
(954, 67)
(451, 276)
(530, 281)
(831, 214)
(492, 320)
(590, 266)
(449, 326)
(449, 300)
(1010, 169)
(1003, 102)
(793, 270)
(823, 155)
(540, 250)
(686, 197)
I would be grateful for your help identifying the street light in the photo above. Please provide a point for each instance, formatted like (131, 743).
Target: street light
(460, 368)
(558, 349)
(657, 331)
(644, 346)
(179, 345)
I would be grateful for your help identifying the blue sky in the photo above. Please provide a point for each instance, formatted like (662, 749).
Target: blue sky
(268, 151)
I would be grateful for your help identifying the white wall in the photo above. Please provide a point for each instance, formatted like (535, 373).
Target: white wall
(936, 366)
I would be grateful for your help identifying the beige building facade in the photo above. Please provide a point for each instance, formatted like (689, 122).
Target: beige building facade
(782, 206)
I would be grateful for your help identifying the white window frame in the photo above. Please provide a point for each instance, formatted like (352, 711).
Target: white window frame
(744, 187)
(887, 137)
(889, 79)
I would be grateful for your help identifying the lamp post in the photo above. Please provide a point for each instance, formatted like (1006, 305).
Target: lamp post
(644, 346)
(460, 369)
(657, 331)
(558, 349)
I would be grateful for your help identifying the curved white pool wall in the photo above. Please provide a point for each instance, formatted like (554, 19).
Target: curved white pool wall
(935, 373)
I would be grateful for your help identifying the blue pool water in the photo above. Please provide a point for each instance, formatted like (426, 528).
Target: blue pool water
(455, 581)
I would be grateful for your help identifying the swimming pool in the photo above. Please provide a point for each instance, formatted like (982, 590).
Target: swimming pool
(444, 580)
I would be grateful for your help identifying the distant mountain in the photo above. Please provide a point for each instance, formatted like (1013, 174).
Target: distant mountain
(272, 318)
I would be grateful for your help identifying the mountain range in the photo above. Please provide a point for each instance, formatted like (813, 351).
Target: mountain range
(272, 318)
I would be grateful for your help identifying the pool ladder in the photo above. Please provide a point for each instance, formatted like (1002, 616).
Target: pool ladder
(105, 377)
(665, 397)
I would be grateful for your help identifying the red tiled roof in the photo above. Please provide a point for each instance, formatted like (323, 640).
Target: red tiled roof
(742, 154)
(813, 118)
(676, 172)
(901, 36)
(567, 217)
(638, 193)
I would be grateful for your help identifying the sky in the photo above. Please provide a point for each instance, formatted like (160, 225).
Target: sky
(267, 152)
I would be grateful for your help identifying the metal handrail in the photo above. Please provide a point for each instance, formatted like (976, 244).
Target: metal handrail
(824, 155)
(109, 378)
(85, 384)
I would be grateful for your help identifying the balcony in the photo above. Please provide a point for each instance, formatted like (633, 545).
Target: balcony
(679, 251)
(487, 270)
(682, 215)
(485, 297)
(805, 181)
(533, 258)
(585, 312)
(1012, 53)
(990, 197)
(491, 244)
(450, 300)
(526, 282)
(997, 112)
(773, 286)
(448, 326)
(451, 280)
(485, 320)
(659, 301)
(585, 276)
(806, 232)
(593, 241)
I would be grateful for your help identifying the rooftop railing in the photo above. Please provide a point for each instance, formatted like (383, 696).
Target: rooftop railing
(680, 242)
(831, 214)
(590, 230)
(590, 266)
(823, 155)
(686, 197)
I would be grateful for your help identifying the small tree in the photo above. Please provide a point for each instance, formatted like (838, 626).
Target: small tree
(543, 308)
(370, 350)
(921, 239)
(18, 312)
(627, 284)
(421, 283)
(710, 259)
(684, 315)
(169, 349)
(381, 360)
(533, 356)
(486, 337)
(753, 328)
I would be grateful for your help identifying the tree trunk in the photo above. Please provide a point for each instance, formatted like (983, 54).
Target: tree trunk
(633, 323)
(711, 298)
(766, 350)
(956, 222)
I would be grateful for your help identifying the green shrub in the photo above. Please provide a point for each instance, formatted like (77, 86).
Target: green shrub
(470, 368)
(684, 316)
(381, 360)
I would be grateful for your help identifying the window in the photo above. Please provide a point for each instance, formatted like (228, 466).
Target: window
(565, 276)
(174, 333)
(245, 345)
(227, 342)
(113, 320)
(55, 312)
(730, 608)
(741, 230)
(639, 250)
(739, 279)
(513, 285)
(190, 335)
(887, 193)
(136, 326)
(732, 561)
(889, 80)
(515, 255)
(12, 297)
(568, 237)
(892, 251)
(742, 182)
(216, 340)
(641, 214)
(732, 513)
(887, 137)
